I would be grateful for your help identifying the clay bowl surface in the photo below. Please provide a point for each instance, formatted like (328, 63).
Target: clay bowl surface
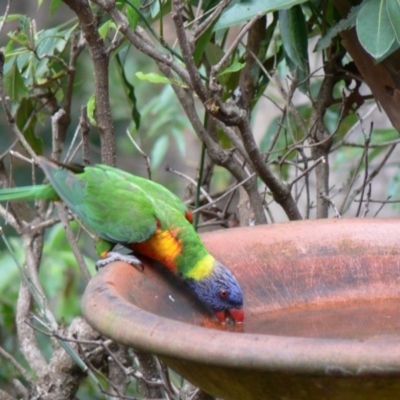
(322, 302)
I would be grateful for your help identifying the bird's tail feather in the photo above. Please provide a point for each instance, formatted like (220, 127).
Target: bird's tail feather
(66, 182)
(38, 192)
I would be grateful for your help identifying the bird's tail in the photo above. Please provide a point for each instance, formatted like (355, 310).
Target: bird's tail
(38, 192)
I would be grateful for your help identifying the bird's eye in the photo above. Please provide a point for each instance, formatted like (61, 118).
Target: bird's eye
(223, 294)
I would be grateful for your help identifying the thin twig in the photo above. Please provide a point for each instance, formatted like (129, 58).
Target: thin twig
(191, 180)
(382, 205)
(201, 28)
(77, 133)
(20, 156)
(306, 171)
(186, 46)
(372, 145)
(9, 149)
(367, 140)
(344, 206)
(331, 203)
(16, 365)
(5, 15)
(387, 201)
(372, 175)
(7, 110)
(353, 128)
(215, 69)
(72, 242)
(225, 194)
(144, 155)
(366, 211)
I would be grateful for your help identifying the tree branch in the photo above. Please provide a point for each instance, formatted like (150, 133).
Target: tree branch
(320, 136)
(100, 60)
(280, 190)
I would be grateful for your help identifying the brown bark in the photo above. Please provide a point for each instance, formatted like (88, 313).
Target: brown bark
(383, 78)
(100, 60)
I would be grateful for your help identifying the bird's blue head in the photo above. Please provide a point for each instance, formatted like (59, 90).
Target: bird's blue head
(221, 292)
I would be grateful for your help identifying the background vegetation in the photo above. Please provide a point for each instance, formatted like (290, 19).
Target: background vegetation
(253, 111)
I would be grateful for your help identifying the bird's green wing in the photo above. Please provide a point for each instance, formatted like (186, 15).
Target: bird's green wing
(115, 208)
(152, 189)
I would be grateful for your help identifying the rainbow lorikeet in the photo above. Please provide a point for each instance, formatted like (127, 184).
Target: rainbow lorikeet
(143, 216)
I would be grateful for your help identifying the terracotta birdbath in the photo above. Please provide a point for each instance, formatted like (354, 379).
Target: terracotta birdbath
(322, 302)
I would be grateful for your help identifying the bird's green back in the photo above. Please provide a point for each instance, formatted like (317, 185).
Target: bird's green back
(124, 208)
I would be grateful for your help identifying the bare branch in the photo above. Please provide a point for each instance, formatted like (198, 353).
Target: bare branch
(187, 48)
(26, 335)
(214, 14)
(100, 60)
(375, 171)
(226, 193)
(16, 365)
(280, 190)
(308, 170)
(215, 69)
(144, 155)
(7, 110)
(192, 181)
(367, 140)
(72, 242)
(5, 15)
(331, 203)
(58, 135)
(216, 153)
(148, 367)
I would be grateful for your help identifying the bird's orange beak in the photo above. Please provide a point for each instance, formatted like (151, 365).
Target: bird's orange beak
(237, 314)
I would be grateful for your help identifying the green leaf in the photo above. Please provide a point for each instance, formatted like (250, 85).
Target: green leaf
(269, 134)
(46, 40)
(157, 78)
(292, 24)
(20, 38)
(394, 47)
(342, 25)
(234, 67)
(24, 113)
(179, 140)
(103, 30)
(241, 11)
(14, 85)
(91, 107)
(131, 13)
(293, 29)
(129, 90)
(393, 10)
(23, 62)
(152, 77)
(374, 29)
(11, 17)
(159, 150)
(54, 6)
(201, 44)
(214, 53)
(64, 36)
(155, 8)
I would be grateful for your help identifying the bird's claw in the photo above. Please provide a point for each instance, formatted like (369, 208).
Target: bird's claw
(113, 256)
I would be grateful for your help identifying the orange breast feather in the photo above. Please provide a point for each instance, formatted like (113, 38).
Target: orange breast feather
(163, 246)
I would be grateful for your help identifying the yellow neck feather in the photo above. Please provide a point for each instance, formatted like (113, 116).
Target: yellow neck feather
(202, 268)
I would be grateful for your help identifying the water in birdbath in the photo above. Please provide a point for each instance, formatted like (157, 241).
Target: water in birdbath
(357, 320)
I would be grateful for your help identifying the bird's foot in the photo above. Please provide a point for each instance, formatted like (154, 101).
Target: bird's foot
(113, 256)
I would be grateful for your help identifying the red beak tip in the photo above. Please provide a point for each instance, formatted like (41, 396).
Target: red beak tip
(237, 314)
